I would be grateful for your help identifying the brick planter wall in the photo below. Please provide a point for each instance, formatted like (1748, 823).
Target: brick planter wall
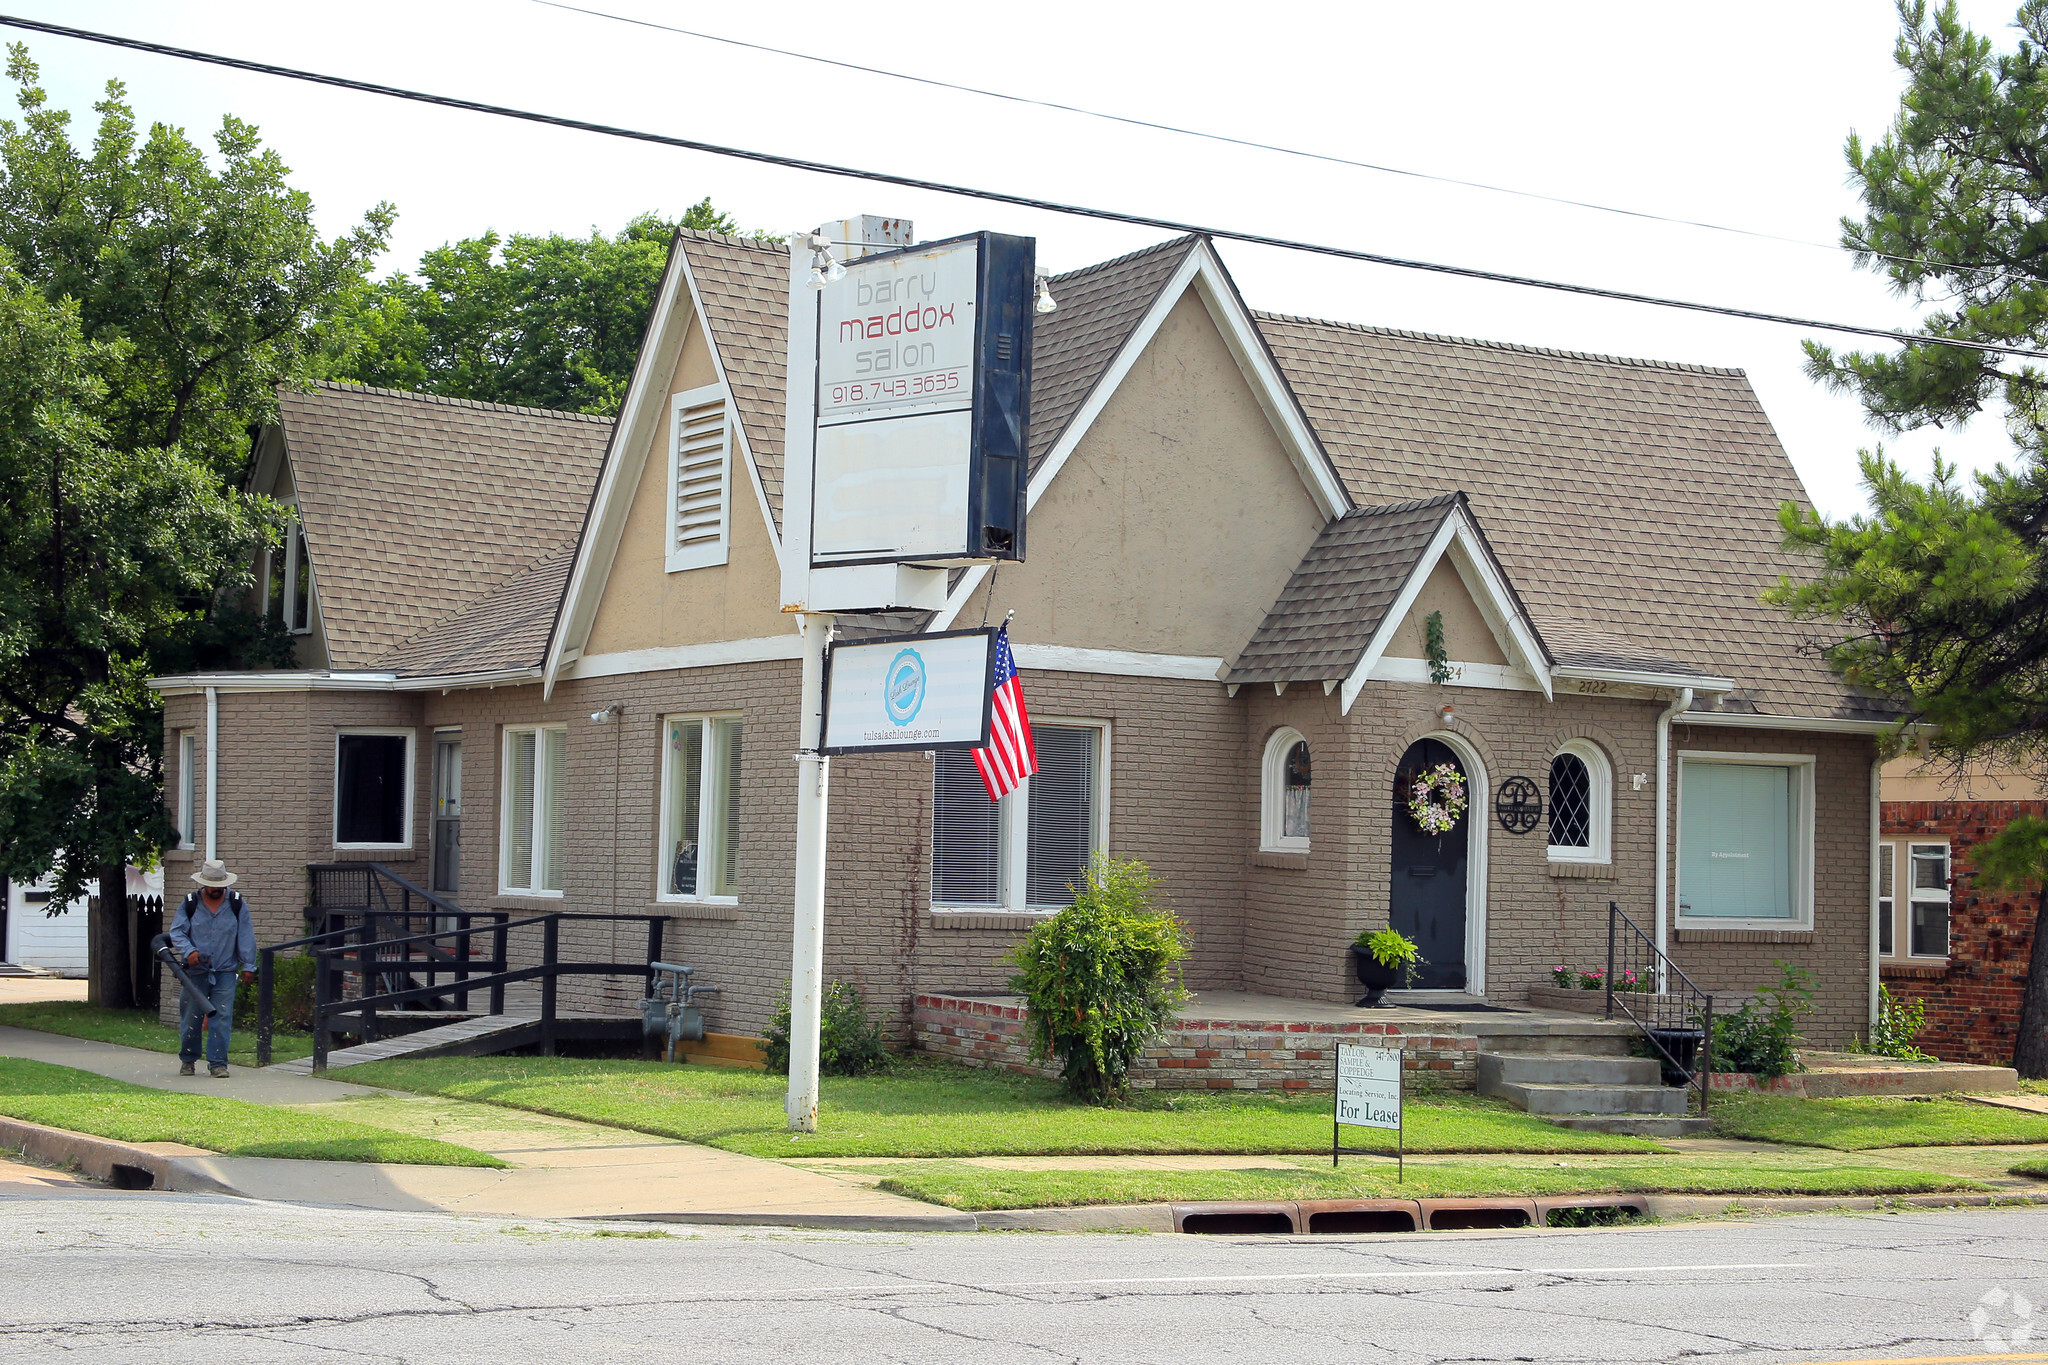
(1973, 1002)
(1198, 1054)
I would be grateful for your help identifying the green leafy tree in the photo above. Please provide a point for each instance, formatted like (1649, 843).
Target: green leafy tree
(540, 321)
(155, 301)
(1943, 586)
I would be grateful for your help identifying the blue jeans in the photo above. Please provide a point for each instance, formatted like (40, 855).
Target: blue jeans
(220, 988)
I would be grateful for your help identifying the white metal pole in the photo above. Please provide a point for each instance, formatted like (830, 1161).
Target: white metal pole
(1679, 702)
(807, 951)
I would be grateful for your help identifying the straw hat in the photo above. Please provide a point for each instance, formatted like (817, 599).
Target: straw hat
(214, 872)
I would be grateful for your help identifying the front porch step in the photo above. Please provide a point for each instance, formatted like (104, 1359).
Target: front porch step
(1563, 1068)
(1640, 1100)
(1634, 1125)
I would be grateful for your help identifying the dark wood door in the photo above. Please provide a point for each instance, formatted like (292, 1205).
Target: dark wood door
(1428, 891)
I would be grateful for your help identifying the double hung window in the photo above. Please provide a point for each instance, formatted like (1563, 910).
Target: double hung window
(288, 580)
(534, 810)
(188, 788)
(1026, 851)
(700, 805)
(1745, 840)
(1922, 902)
(373, 789)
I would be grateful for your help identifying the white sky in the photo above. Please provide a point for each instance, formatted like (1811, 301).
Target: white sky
(1731, 113)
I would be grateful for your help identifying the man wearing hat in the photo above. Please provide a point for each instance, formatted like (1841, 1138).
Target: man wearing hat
(212, 932)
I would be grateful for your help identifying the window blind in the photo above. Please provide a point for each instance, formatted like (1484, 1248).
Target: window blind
(725, 747)
(1887, 863)
(1061, 812)
(701, 466)
(685, 794)
(1735, 841)
(966, 858)
(519, 794)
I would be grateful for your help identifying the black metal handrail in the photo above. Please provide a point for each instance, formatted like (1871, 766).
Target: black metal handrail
(369, 954)
(1676, 1016)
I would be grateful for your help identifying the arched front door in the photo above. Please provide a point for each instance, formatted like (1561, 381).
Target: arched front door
(1427, 899)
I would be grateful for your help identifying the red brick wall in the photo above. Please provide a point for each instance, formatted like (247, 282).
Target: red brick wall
(1973, 1005)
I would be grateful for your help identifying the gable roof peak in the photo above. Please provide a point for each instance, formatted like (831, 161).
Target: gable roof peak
(776, 245)
(1445, 339)
(343, 386)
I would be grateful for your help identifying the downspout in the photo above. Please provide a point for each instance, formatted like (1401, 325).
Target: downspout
(1876, 833)
(1679, 703)
(212, 770)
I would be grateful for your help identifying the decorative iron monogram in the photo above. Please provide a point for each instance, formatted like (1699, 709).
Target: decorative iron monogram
(1518, 805)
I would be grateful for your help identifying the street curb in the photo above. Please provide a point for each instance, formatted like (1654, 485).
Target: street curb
(844, 1222)
(124, 1165)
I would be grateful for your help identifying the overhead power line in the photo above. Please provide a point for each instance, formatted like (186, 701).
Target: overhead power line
(1249, 143)
(1001, 197)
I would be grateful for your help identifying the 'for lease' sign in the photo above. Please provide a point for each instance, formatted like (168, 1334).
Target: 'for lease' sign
(1368, 1086)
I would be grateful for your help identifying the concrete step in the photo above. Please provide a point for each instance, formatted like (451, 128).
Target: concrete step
(1635, 1125)
(1593, 1099)
(1563, 1068)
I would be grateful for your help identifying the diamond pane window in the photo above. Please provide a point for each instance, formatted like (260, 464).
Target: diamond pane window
(1571, 802)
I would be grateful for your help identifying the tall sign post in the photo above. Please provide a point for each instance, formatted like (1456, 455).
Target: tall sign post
(906, 416)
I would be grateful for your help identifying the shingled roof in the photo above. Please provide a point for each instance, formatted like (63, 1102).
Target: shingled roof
(417, 506)
(1341, 593)
(506, 628)
(1632, 503)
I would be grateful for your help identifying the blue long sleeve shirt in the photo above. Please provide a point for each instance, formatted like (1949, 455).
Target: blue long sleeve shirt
(227, 939)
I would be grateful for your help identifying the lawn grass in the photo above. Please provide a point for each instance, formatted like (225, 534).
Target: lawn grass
(2037, 1168)
(960, 1185)
(140, 1028)
(928, 1108)
(1854, 1125)
(83, 1102)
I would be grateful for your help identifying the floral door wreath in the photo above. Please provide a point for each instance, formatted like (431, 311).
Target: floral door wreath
(1436, 798)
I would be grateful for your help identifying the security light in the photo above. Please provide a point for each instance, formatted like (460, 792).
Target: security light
(1043, 304)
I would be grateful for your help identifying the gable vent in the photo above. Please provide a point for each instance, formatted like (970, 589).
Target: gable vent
(702, 464)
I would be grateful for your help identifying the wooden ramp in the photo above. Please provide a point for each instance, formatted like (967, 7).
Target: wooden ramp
(476, 1036)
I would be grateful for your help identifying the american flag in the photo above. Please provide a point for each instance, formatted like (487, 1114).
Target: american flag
(1010, 756)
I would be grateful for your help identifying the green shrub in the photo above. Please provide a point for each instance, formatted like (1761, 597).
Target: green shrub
(1898, 1023)
(291, 996)
(1761, 1037)
(1098, 978)
(849, 1043)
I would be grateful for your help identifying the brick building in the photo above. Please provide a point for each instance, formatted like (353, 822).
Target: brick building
(544, 664)
(1961, 951)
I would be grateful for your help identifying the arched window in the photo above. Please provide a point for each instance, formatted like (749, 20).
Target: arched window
(1284, 788)
(1581, 804)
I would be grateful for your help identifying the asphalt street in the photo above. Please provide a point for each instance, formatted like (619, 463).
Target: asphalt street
(104, 1277)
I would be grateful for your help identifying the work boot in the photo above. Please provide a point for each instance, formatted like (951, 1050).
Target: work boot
(219, 1073)
(185, 1068)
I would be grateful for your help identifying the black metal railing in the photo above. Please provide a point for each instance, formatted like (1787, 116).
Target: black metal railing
(1646, 988)
(400, 955)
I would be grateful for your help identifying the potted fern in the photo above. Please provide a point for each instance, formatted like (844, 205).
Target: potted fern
(1383, 958)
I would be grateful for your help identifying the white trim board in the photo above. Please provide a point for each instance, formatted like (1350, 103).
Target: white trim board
(668, 657)
(1826, 725)
(1502, 677)
(1117, 662)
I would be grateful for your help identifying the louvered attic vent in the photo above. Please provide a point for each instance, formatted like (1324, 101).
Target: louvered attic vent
(701, 463)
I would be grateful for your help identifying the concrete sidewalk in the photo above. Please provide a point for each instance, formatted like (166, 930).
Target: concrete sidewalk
(560, 1168)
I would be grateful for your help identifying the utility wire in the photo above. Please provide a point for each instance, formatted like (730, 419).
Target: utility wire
(1233, 141)
(1000, 197)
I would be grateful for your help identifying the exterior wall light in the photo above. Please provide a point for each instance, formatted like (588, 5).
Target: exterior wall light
(1043, 304)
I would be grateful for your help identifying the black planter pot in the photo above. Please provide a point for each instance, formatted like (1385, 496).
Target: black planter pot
(1682, 1046)
(1371, 975)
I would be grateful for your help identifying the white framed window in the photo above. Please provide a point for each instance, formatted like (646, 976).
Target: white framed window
(1025, 851)
(1927, 900)
(700, 805)
(1581, 804)
(188, 788)
(1887, 899)
(288, 579)
(533, 810)
(1284, 793)
(1745, 840)
(699, 479)
(373, 788)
